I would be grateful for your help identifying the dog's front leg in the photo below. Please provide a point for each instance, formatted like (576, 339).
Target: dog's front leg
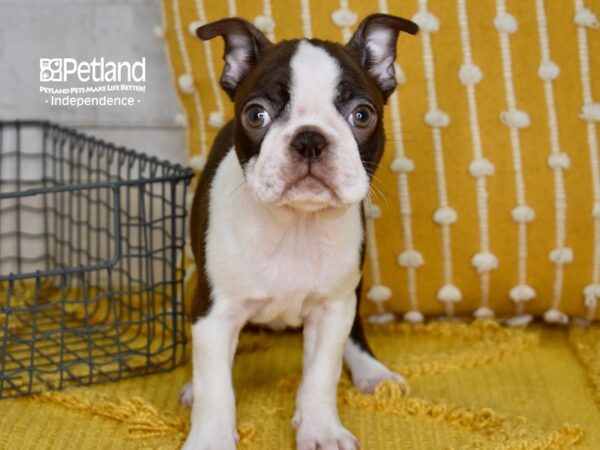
(316, 420)
(214, 339)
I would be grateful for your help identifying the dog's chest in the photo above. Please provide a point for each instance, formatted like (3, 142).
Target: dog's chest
(277, 264)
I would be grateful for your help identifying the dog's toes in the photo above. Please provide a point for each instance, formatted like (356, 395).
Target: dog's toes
(186, 396)
(368, 385)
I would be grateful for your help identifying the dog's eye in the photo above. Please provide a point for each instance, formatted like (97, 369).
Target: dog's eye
(257, 117)
(362, 116)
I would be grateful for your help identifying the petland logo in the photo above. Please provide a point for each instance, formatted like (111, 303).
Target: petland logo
(96, 70)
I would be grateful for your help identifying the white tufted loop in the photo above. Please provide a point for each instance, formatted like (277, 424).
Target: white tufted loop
(400, 75)
(586, 18)
(401, 164)
(559, 161)
(343, 17)
(197, 162)
(522, 214)
(521, 293)
(159, 31)
(519, 320)
(449, 293)
(556, 316)
(437, 118)
(484, 262)
(469, 73)
(427, 22)
(561, 255)
(506, 23)
(591, 112)
(180, 119)
(382, 318)
(481, 167)
(548, 71)
(410, 258)
(186, 83)
(216, 119)
(515, 118)
(413, 317)
(379, 293)
(591, 294)
(596, 211)
(264, 23)
(372, 210)
(445, 216)
(193, 27)
(483, 312)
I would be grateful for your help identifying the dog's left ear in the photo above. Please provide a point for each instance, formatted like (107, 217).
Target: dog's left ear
(374, 44)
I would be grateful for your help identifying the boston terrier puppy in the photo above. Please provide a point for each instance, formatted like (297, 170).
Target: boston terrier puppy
(277, 226)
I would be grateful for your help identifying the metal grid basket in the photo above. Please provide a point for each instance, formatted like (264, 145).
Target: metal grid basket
(91, 267)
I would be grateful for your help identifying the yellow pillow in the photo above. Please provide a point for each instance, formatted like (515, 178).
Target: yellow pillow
(487, 200)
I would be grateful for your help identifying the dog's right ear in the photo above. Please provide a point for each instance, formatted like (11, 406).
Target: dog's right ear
(244, 45)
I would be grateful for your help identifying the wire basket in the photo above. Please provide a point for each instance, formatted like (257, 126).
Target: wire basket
(91, 267)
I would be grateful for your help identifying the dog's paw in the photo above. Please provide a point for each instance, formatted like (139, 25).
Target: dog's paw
(317, 433)
(186, 396)
(367, 380)
(211, 438)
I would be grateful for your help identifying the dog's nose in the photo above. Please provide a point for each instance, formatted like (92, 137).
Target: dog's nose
(309, 144)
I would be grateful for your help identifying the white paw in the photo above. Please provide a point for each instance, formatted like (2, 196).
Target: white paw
(317, 433)
(186, 396)
(374, 373)
(210, 438)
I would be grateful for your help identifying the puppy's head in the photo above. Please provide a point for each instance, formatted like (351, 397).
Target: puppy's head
(308, 126)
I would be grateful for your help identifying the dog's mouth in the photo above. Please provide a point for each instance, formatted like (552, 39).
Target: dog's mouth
(309, 191)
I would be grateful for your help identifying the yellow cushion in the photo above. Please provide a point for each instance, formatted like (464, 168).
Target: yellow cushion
(558, 283)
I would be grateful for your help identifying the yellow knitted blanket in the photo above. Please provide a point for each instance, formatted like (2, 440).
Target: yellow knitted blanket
(475, 385)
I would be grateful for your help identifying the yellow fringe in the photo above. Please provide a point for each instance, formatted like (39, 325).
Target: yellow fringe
(586, 343)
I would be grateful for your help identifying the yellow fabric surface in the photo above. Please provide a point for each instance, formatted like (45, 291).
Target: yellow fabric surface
(473, 385)
(203, 103)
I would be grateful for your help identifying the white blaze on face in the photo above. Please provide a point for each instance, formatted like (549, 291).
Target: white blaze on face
(275, 174)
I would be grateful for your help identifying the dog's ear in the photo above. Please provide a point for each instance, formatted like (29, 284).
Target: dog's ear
(244, 45)
(374, 45)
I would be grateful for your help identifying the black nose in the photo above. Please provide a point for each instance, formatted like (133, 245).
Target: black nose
(309, 145)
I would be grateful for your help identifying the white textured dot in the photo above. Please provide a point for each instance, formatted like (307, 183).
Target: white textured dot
(515, 118)
(596, 211)
(521, 293)
(197, 162)
(372, 210)
(216, 119)
(505, 23)
(556, 316)
(522, 214)
(427, 22)
(159, 31)
(449, 293)
(402, 164)
(379, 293)
(481, 167)
(591, 112)
(591, 294)
(343, 17)
(400, 75)
(559, 161)
(193, 27)
(445, 215)
(585, 17)
(548, 70)
(469, 73)
(437, 118)
(484, 262)
(180, 119)
(519, 320)
(264, 23)
(382, 318)
(483, 312)
(410, 258)
(561, 255)
(414, 317)
(186, 83)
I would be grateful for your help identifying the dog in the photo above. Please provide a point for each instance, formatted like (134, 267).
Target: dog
(277, 227)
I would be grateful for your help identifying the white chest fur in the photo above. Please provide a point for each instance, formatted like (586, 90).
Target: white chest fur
(277, 261)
